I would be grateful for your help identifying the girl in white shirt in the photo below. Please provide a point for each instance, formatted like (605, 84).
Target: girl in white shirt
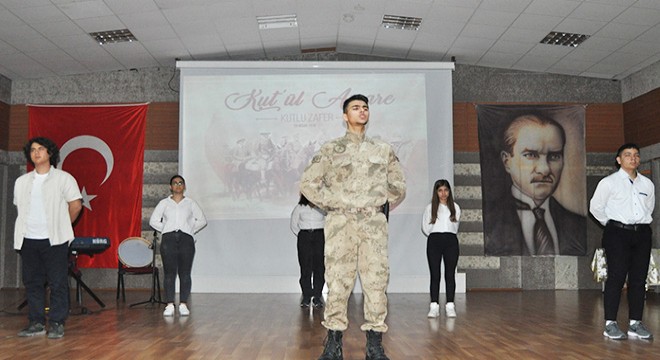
(440, 223)
(178, 218)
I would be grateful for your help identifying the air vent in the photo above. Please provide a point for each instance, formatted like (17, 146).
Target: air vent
(401, 22)
(277, 21)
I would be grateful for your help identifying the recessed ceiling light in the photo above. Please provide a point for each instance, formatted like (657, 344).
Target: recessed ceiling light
(401, 22)
(277, 21)
(113, 36)
(564, 39)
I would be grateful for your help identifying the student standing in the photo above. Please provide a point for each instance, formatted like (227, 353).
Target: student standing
(48, 202)
(440, 223)
(178, 218)
(623, 202)
(307, 223)
(353, 177)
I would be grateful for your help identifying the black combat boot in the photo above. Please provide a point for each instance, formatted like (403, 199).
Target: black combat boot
(375, 349)
(332, 350)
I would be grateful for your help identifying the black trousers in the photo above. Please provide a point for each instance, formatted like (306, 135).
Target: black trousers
(312, 265)
(439, 247)
(41, 264)
(177, 250)
(628, 254)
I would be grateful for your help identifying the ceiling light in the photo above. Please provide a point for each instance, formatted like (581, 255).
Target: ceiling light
(277, 21)
(564, 38)
(401, 22)
(113, 36)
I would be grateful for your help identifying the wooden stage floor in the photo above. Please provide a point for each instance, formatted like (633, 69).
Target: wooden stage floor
(490, 325)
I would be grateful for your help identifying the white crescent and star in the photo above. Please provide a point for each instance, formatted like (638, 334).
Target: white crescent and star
(93, 143)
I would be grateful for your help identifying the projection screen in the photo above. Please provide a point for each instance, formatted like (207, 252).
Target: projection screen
(248, 129)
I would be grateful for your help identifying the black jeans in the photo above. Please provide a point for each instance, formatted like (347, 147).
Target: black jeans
(310, 258)
(628, 254)
(442, 246)
(177, 251)
(44, 264)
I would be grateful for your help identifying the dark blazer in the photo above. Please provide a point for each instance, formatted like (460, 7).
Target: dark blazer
(503, 232)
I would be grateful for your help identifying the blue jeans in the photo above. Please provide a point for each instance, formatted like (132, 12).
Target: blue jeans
(44, 264)
(177, 251)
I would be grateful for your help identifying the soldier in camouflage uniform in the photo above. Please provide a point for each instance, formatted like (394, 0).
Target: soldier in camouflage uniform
(351, 178)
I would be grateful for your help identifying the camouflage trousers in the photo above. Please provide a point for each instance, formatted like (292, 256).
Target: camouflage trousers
(356, 243)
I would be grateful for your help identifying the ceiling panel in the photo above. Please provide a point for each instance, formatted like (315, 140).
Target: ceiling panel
(131, 6)
(498, 59)
(144, 20)
(104, 23)
(552, 7)
(597, 11)
(483, 31)
(74, 41)
(625, 34)
(6, 48)
(48, 13)
(60, 28)
(512, 47)
(622, 31)
(534, 21)
(85, 9)
(155, 33)
(58, 61)
(18, 4)
(95, 58)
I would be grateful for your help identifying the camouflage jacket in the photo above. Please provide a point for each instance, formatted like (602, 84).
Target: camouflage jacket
(353, 172)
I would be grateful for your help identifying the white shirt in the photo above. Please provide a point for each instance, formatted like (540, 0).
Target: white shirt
(58, 190)
(617, 198)
(442, 223)
(307, 218)
(527, 220)
(37, 223)
(169, 216)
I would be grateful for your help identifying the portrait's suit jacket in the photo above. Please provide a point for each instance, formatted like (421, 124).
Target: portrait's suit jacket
(503, 233)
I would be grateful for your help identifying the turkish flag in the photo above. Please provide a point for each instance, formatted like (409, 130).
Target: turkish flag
(103, 148)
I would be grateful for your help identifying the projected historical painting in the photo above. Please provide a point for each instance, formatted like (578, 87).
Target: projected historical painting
(248, 138)
(533, 179)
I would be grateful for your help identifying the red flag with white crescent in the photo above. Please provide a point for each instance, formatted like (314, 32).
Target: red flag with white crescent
(103, 148)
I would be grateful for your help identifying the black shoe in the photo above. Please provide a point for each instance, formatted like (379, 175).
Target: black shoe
(332, 350)
(375, 349)
(317, 301)
(33, 329)
(55, 330)
(305, 302)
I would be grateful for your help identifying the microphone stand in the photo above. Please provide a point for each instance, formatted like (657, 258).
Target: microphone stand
(154, 277)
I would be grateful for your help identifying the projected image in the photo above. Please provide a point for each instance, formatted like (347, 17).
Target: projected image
(247, 139)
(247, 131)
(260, 168)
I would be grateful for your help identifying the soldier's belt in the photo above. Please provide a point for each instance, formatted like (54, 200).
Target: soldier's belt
(371, 210)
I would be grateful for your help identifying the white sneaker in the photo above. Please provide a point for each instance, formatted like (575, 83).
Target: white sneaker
(450, 309)
(169, 310)
(434, 310)
(183, 310)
